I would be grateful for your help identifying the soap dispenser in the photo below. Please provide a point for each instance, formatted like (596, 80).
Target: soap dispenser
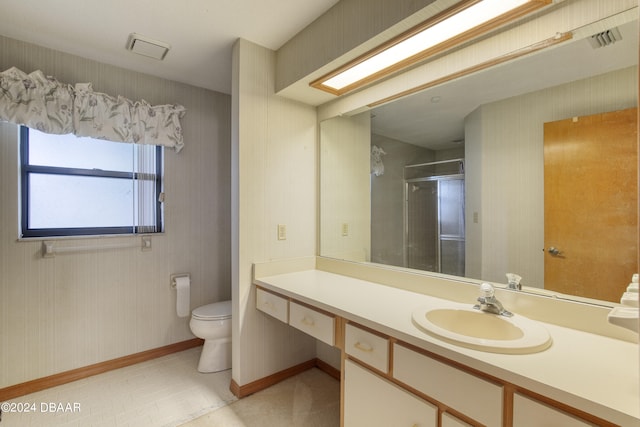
(514, 281)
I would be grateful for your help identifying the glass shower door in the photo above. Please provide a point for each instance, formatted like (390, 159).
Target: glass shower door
(434, 224)
(451, 227)
(421, 233)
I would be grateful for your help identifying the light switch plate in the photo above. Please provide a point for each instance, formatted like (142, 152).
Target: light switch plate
(282, 232)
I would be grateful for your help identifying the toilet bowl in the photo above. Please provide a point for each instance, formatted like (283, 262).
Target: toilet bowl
(212, 322)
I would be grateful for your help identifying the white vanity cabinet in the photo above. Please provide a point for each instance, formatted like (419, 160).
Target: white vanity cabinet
(313, 322)
(528, 412)
(479, 400)
(416, 383)
(449, 420)
(372, 401)
(367, 347)
(274, 305)
(388, 382)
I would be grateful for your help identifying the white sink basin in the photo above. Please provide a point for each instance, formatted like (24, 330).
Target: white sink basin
(476, 329)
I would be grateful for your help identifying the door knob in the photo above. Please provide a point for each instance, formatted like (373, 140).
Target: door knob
(554, 251)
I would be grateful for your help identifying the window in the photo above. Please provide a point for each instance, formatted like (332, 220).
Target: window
(74, 186)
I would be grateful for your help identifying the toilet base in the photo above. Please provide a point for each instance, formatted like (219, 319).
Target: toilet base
(215, 356)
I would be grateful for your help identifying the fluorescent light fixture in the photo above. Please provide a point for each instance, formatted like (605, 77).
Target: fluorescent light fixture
(464, 21)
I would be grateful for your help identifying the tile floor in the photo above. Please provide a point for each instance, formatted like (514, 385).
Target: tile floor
(169, 391)
(310, 399)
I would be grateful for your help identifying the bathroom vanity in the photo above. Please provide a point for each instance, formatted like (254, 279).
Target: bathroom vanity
(395, 373)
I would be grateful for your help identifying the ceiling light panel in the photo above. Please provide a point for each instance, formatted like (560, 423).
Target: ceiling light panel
(464, 21)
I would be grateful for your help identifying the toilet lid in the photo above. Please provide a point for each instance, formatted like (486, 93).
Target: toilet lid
(215, 311)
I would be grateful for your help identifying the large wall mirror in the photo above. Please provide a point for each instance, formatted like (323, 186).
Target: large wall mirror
(529, 168)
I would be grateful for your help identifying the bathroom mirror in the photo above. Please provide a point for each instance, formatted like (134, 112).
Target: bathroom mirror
(475, 148)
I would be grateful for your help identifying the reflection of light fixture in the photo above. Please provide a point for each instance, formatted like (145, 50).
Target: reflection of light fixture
(464, 21)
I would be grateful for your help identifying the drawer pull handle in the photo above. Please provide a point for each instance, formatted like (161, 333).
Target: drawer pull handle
(269, 304)
(363, 347)
(307, 321)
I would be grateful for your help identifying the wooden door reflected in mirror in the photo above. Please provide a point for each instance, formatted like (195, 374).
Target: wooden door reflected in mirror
(591, 204)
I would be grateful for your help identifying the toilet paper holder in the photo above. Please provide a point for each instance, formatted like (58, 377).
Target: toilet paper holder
(173, 277)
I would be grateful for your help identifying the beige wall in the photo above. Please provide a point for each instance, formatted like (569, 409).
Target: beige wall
(346, 191)
(505, 171)
(274, 182)
(74, 310)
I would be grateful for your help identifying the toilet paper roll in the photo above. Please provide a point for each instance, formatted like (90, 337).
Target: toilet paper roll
(183, 289)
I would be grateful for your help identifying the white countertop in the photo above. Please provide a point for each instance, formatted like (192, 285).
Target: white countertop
(593, 373)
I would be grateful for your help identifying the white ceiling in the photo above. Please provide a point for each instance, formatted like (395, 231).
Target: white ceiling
(201, 32)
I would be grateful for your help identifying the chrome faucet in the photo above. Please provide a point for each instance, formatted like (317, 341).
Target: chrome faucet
(489, 303)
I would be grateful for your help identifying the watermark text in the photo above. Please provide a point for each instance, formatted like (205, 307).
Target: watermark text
(40, 407)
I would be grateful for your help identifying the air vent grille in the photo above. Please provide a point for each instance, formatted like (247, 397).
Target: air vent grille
(605, 38)
(146, 46)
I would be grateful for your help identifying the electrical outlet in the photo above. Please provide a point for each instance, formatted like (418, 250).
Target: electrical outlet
(345, 229)
(282, 232)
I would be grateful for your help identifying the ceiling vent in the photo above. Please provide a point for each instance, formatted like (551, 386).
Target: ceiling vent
(605, 38)
(146, 46)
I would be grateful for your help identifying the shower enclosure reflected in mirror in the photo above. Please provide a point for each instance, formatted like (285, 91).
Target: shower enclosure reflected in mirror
(433, 208)
(495, 121)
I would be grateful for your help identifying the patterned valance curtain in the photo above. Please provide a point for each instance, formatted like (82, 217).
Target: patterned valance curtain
(43, 103)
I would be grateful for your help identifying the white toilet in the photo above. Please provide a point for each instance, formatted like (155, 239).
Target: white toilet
(212, 322)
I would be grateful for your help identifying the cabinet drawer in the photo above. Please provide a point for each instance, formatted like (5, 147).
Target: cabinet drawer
(473, 396)
(367, 347)
(372, 401)
(312, 322)
(272, 304)
(531, 413)
(449, 420)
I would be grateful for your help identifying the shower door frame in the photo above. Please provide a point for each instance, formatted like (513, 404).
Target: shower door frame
(438, 239)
